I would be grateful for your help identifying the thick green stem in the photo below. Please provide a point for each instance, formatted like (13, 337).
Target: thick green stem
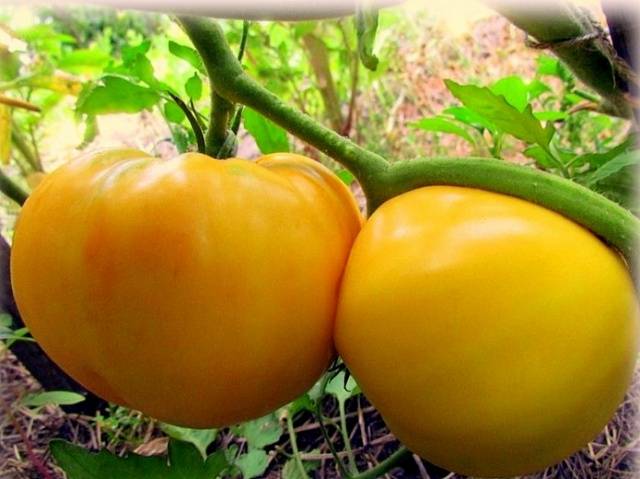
(385, 466)
(221, 110)
(613, 223)
(11, 189)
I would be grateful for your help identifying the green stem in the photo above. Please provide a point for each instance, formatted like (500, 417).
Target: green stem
(603, 217)
(11, 189)
(320, 418)
(385, 466)
(294, 447)
(193, 121)
(243, 39)
(353, 468)
(221, 110)
(23, 147)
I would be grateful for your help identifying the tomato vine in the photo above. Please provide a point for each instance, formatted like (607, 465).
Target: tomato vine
(381, 180)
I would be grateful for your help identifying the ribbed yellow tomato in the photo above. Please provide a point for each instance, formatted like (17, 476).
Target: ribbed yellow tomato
(200, 292)
(494, 336)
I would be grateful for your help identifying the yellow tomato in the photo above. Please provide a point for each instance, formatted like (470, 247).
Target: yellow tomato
(200, 292)
(494, 336)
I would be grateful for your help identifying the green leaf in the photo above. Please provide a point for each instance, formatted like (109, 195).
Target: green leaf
(131, 52)
(291, 470)
(596, 160)
(116, 95)
(269, 136)
(541, 157)
(185, 462)
(193, 87)
(366, 27)
(550, 115)
(9, 64)
(553, 67)
(84, 61)
(260, 432)
(443, 125)
(537, 88)
(200, 438)
(342, 392)
(6, 321)
(611, 167)
(173, 112)
(253, 463)
(513, 89)
(57, 398)
(469, 117)
(187, 54)
(523, 125)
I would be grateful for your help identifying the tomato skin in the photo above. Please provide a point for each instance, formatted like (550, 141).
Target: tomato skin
(494, 336)
(200, 292)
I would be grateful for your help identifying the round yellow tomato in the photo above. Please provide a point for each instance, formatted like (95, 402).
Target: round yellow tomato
(200, 292)
(494, 336)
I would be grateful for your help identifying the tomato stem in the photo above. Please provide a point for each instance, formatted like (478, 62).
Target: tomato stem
(11, 189)
(294, 447)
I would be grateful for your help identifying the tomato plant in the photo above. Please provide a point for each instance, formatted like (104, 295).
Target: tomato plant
(486, 309)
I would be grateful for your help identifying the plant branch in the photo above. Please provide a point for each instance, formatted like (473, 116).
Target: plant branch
(15, 103)
(385, 466)
(11, 189)
(193, 121)
(23, 147)
(579, 41)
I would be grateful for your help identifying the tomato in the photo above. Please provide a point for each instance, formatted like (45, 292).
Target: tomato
(200, 292)
(494, 336)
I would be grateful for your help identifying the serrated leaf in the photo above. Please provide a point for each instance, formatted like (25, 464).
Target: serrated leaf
(84, 61)
(185, 462)
(187, 54)
(337, 387)
(366, 20)
(442, 125)
(173, 112)
(200, 438)
(514, 90)
(611, 167)
(5, 134)
(116, 95)
(57, 398)
(260, 432)
(269, 137)
(523, 125)
(193, 87)
(253, 463)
